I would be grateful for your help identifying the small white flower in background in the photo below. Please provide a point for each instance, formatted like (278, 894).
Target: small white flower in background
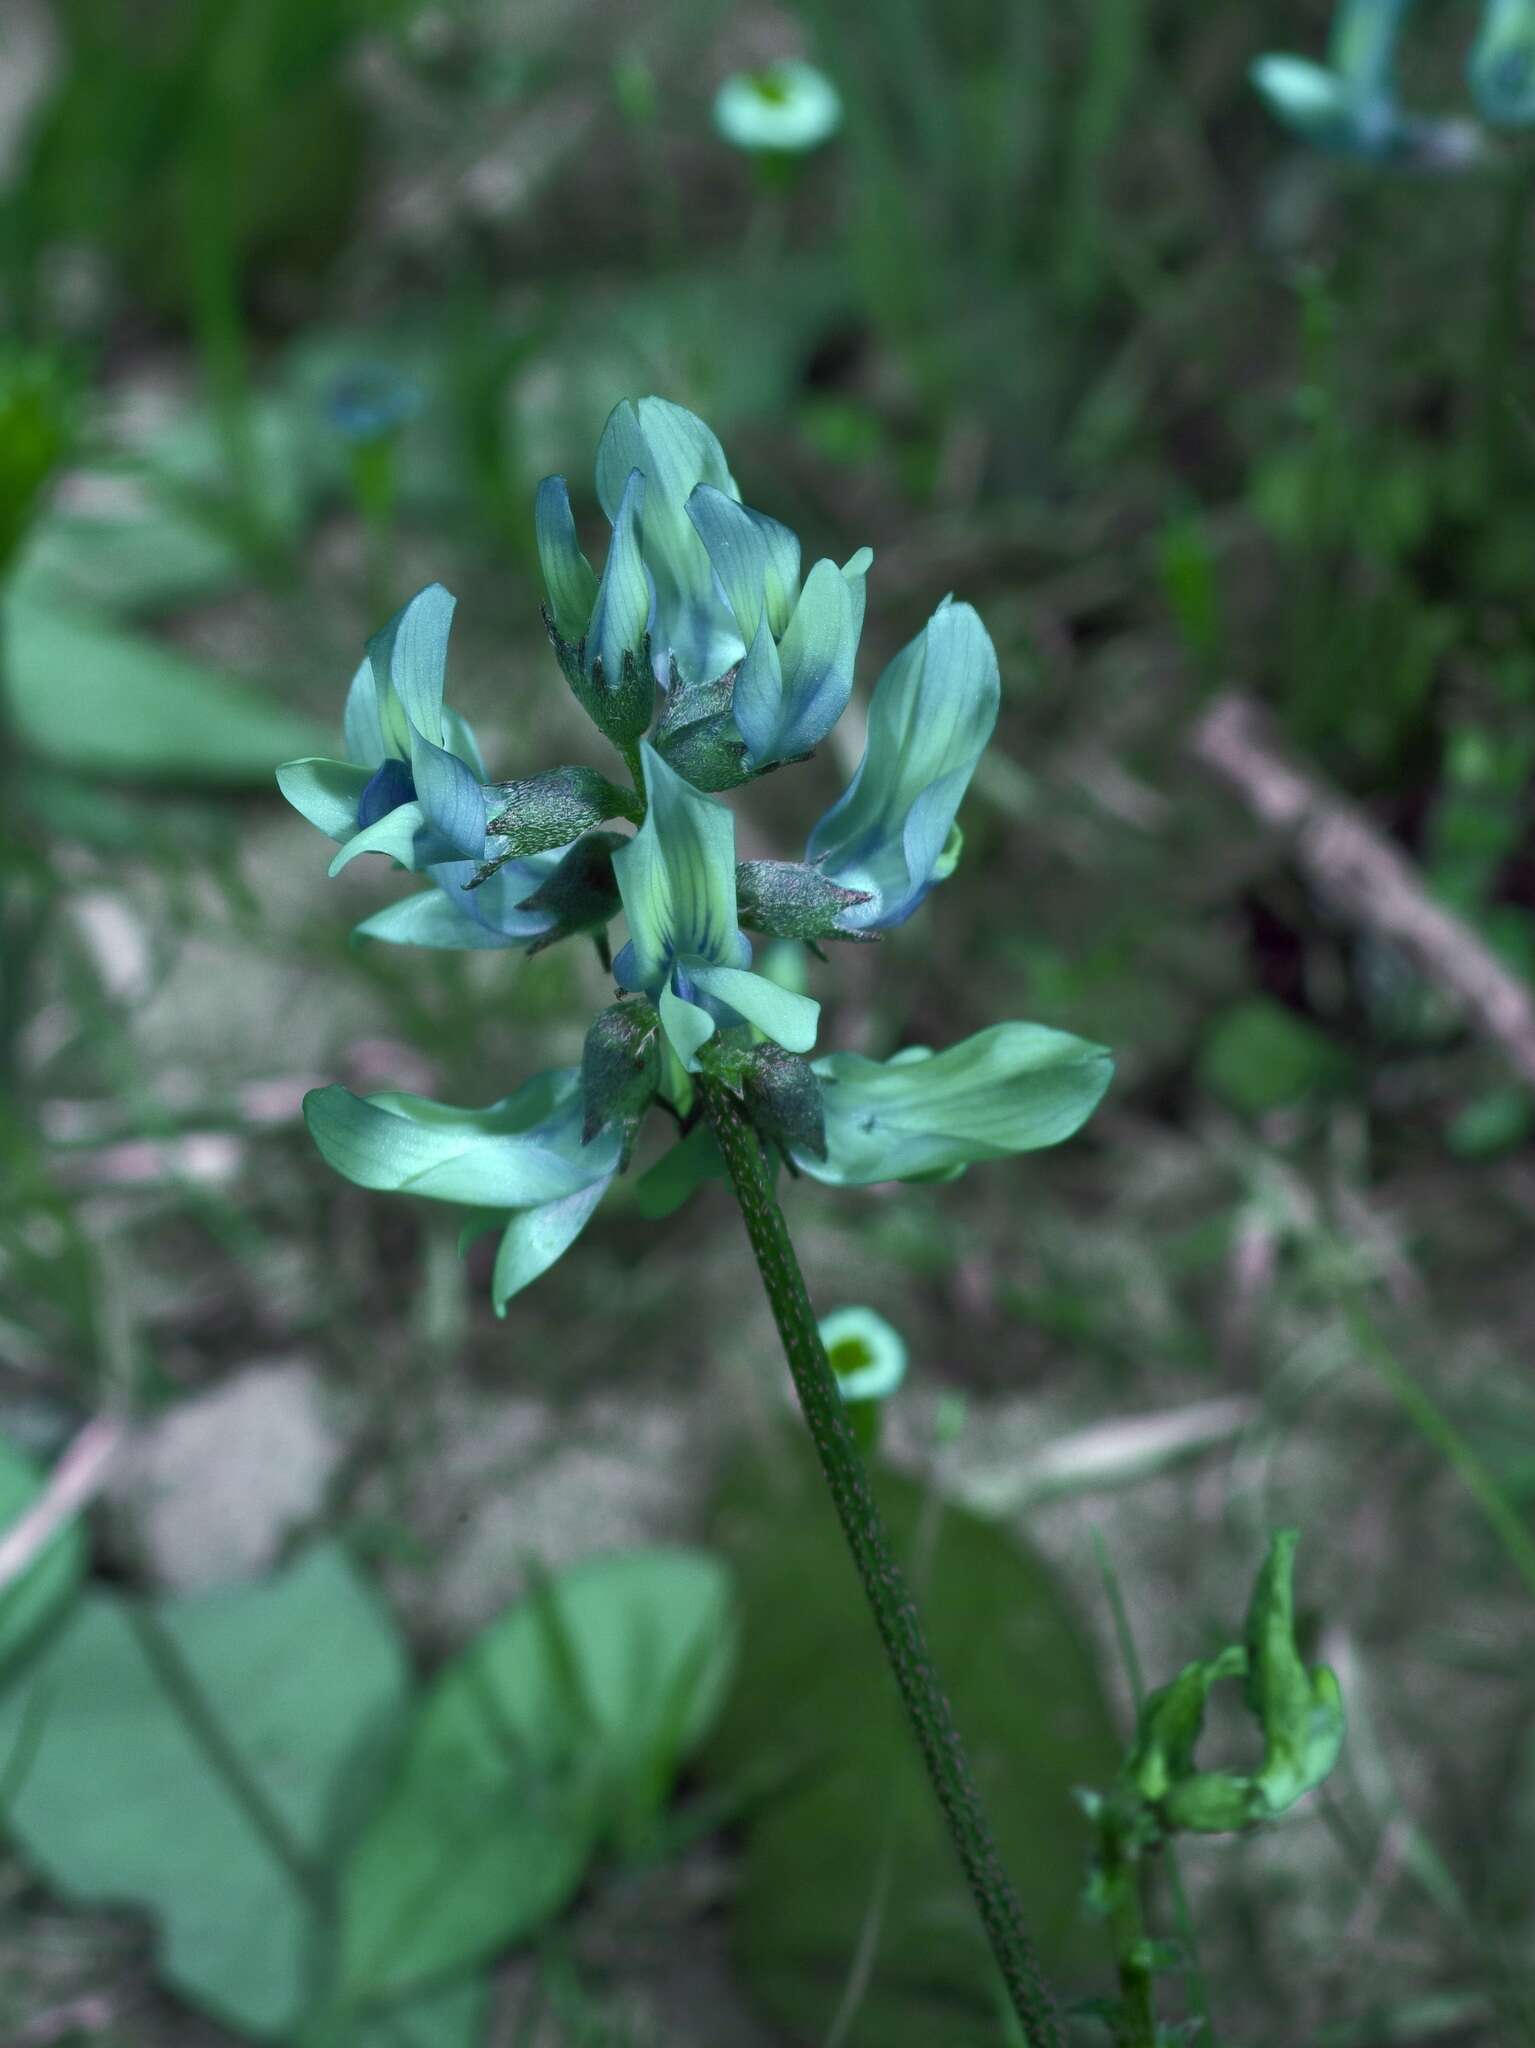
(786, 109)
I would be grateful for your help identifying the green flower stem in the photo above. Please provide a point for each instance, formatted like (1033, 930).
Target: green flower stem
(1135, 2025)
(894, 1613)
(630, 749)
(373, 492)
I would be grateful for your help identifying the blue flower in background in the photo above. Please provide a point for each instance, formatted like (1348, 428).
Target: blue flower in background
(371, 404)
(1349, 106)
(1501, 69)
(787, 109)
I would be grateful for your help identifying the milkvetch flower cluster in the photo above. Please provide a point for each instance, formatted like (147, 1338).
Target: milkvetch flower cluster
(1350, 106)
(706, 656)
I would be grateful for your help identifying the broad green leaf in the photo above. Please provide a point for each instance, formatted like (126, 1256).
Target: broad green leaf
(32, 1600)
(106, 701)
(851, 1831)
(455, 2016)
(154, 556)
(1259, 1056)
(193, 1759)
(562, 1727)
(516, 1154)
(1012, 1088)
(678, 1174)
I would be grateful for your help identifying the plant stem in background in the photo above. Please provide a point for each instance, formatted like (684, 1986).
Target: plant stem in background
(1501, 330)
(373, 492)
(862, 1524)
(1135, 2024)
(1198, 1993)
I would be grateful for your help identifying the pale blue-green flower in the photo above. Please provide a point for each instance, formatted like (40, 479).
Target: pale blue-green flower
(785, 109)
(867, 1354)
(522, 1162)
(932, 713)
(1501, 68)
(1011, 1088)
(1349, 106)
(705, 595)
(800, 643)
(686, 951)
(411, 786)
(657, 587)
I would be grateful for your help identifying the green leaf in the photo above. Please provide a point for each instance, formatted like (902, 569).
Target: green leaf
(851, 1829)
(1013, 1088)
(678, 1174)
(109, 702)
(454, 2016)
(192, 1759)
(516, 1154)
(562, 1727)
(1259, 1056)
(31, 1601)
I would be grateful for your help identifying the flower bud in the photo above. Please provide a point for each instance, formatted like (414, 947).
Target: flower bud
(620, 1072)
(783, 1099)
(789, 899)
(548, 810)
(697, 736)
(582, 893)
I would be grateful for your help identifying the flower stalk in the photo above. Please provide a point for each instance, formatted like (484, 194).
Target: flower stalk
(894, 1611)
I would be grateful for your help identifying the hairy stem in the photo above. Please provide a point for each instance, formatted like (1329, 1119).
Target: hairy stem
(899, 1627)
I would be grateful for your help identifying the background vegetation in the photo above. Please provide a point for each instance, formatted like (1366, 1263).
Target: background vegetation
(1060, 320)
